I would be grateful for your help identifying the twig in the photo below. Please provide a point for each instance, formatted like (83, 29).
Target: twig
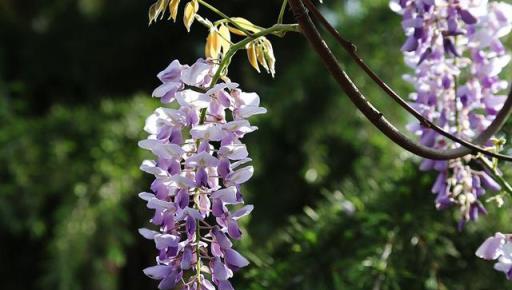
(282, 11)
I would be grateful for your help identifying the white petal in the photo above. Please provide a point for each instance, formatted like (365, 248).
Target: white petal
(181, 181)
(240, 176)
(250, 99)
(227, 195)
(150, 167)
(146, 196)
(148, 234)
(234, 151)
(156, 203)
(212, 132)
(195, 75)
(250, 111)
(193, 99)
(203, 159)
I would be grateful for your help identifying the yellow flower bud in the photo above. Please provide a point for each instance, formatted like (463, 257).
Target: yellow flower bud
(190, 13)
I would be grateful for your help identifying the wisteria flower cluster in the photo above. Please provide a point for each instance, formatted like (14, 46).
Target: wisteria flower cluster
(200, 164)
(455, 50)
(498, 247)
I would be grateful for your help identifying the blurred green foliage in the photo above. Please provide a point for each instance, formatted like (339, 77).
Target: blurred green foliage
(337, 205)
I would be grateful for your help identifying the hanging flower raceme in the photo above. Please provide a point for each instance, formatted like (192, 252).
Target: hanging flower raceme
(200, 164)
(454, 48)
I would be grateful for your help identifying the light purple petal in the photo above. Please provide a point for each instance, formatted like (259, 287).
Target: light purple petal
(158, 272)
(243, 212)
(220, 271)
(233, 258)
(224, 285)
(491, 249)
(234, 230)
(148, 234)
(240, 176)
(166, 241)
(227, 195)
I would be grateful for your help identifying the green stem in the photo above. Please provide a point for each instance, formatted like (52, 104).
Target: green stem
(226, 60)
(198, 255)
(281, 13)
(456, 87)
(221, 14)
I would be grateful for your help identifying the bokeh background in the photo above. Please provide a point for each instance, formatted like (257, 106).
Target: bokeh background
(338, 206)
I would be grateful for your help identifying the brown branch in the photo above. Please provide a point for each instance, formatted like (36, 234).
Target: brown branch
(471, 147)
(315, 39)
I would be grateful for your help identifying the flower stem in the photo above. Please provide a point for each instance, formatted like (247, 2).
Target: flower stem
(198, 254)
(281, 13)
(226, 60)
(221, 14)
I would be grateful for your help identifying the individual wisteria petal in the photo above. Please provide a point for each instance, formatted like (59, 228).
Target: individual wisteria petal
(243, 212)
(166, 92)
(196, 192)
(491, 249)
(166, 241)
(219, 270)
(240, 176)
(199, 74)
(210, 132)
(202, 159)
(186, 261)
(456, 53)
(193, 99)
(467, 17)
(150, 166)
(148, 234)
(158, 272)
(227, 195)
(234, 259)
(224, 285)
(498, 247)
(172, 73)
(489, 183)
(163, 150)
(234, 151)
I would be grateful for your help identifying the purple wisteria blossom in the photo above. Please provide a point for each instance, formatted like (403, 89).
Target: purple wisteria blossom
(200, 164)
(455, 50)
(498, 247)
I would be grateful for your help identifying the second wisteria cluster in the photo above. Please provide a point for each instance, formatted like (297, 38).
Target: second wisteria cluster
(455, 49)
(200, 164)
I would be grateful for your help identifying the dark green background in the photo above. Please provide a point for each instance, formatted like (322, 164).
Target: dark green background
(75, 78)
